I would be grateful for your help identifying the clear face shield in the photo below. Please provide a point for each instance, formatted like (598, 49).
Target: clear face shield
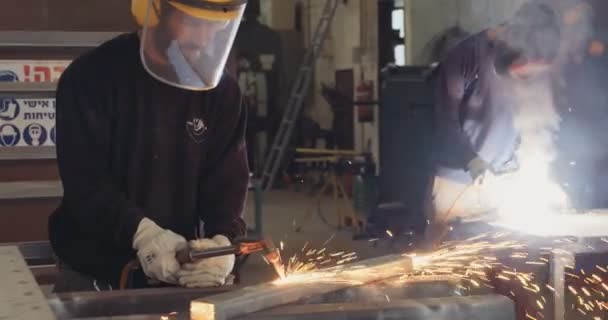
(186, 43)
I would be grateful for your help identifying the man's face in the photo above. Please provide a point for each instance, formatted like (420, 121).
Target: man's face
(528, 69)
(189, 46)
(195, 36)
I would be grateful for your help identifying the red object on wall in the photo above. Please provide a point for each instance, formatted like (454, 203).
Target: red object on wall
(364, 95)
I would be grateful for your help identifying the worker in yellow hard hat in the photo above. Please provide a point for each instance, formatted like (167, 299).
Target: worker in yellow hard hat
(188, 47)
(150, 147)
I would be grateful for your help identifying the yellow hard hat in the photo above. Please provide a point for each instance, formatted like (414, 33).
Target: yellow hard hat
(216, 10)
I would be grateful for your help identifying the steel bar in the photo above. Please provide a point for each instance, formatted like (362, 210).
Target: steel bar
(487, 307)
(258, 198)
(563, 259)
(48, 39)
(30, 189)
(28, 90)
(135, 317)
(269, 295)
(407, 288)
(559, 261)
(152, 303)
(328, 152)
(28, 153)
(36, 253)
(128, 302)
(587, 225)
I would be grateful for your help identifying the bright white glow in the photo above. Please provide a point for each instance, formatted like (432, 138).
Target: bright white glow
(528, 199)
(527, 195)
(419, 262)
(592, 224)
(400, 55)
(398, 21)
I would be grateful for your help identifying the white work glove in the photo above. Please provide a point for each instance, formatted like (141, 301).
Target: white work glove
(211, 272)
(479, 170)
(156, 248)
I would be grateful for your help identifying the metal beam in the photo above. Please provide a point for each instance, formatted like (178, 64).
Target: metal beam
(256, 298)
(419, 287)
(487, 307)
(128, 303)
(587, 225)
(30, 190)
(28, 153)
(135, 317)
(328, 152)
(559, 262)
(36, 253)
(48, 39)
(28, 90)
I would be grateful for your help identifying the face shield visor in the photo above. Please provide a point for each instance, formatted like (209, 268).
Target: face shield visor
(186, 43)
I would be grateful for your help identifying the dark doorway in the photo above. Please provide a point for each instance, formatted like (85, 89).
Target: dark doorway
(343, 110)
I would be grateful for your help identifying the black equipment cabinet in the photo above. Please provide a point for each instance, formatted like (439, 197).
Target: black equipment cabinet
(406, 141)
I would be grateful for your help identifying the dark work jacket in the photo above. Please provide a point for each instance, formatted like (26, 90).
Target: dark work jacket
(474, 110)
(130, 146)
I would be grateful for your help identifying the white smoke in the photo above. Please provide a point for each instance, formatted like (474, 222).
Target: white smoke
(527, 198)
(530, 199)
(536, 120)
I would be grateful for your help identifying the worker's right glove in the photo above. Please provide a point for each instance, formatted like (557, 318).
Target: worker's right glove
(156, 249)
(478, 169)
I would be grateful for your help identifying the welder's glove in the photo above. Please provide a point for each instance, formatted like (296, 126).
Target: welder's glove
(479, 169)
(211, 272)
(156, 248)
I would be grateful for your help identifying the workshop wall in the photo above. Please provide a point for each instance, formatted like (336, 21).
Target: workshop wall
(266, 12)
(35, 182)
(66, 15)
(280, 13)
(319, 110)
(366, 134)
(352, 44)
(427, 18)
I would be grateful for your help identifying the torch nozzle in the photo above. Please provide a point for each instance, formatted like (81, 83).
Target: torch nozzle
(273, 256)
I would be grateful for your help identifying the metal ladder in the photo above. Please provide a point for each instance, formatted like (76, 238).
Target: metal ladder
(296, 97)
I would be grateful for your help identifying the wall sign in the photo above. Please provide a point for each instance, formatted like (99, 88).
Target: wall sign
(28, 122)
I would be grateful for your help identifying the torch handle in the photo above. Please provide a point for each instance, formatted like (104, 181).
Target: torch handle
(189, 255)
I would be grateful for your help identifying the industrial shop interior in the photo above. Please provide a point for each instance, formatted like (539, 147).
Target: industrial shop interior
(304, 159)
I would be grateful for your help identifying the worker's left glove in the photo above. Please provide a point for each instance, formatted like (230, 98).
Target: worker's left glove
(211, 272)
(479, 170)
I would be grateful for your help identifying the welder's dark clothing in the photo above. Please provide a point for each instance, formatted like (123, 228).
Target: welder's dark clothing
(130, 146)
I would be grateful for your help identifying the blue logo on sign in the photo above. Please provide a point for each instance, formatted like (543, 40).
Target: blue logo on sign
(9, 108)
(9, 135)
(34, 134)
(8, 76)
(53, 135)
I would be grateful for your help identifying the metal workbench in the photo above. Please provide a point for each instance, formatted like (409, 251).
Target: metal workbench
(418, 300)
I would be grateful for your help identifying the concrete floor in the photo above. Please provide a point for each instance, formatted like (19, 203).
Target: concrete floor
(283, 209)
